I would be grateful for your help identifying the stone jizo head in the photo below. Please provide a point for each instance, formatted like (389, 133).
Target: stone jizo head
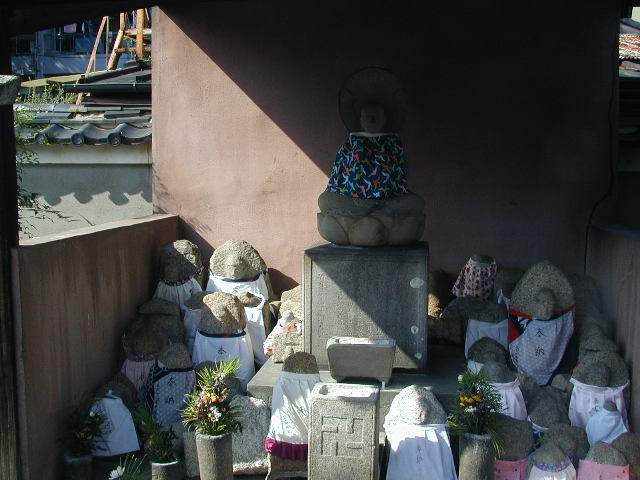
(179, 260)
(222, 313)
(372, 118)
(236, 259)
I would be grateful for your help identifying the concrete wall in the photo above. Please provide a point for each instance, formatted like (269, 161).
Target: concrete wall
(74, 294)
(507, 132)
(89, 185)
(614, 262)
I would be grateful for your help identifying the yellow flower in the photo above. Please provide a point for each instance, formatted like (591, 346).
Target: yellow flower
(476, 397)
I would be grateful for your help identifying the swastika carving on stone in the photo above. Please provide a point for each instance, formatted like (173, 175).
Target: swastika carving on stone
(342, 437)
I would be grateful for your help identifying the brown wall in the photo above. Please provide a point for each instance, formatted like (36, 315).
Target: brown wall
(614, 262)
(75, 292)
(507, 131)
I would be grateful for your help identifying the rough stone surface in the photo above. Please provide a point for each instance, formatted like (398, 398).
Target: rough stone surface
(249, 456)
(497, 372)
(543, 292)
(171, 325)
(195, 301)
(415, 405)
(285, 468)
(295, 294)
(629, 445)
(440, 284)
(572, 440)
(286, 344)
(361, 358)
(549, 453)
(293, 307)
(248, 299)
(141, 339)
(9, 87)
(547, 410)
(337, 302)
(596, 343)
(222, 313)
(592, 324)
(492, 313)
(506, 280)
(528, 386)
(300, 362)
(562, 384)
(602, 452)
(159, 306)
(190, 454)
(343, 432)
(476, 453)
(603, 369)
(515, 436)
(586, 292)
(179, 260)
(487, 349)
(176, 355)
(120, 386)
(451, 327)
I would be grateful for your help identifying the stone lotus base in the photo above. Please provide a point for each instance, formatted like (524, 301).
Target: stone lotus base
(370, 231)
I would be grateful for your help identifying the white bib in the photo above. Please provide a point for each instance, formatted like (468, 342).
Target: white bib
(137, 371)
(255, 329)
(118, 432)
(178, 294)
(586, 400)
(512, 399)
(191, 322)
(605, 426)
(169, 388)
(475, 367)
(257, 286)
(216, 349)
(477, 330)
(420, 451)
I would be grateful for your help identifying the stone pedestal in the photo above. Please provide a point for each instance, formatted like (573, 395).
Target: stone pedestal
(367, 292)
(343, 432)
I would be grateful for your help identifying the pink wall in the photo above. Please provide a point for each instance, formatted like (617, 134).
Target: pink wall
(614, 262)
(507, 131)
(75, 293)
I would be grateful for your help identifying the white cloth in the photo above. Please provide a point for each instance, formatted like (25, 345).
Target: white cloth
(218, 349)
(586, 400)
(191, 322)
(137, 371)
(178, 294)
(502, 299)
(539, 348)
(605, 426)
(290, 407)
(258, 286)
(475, 367)
(118, 432)
(568, 473)
(512, 399)
(476, 279)
(420, 451)
(477, 330)
(255, 329)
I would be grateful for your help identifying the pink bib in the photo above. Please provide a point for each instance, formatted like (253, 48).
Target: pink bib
(599, 471)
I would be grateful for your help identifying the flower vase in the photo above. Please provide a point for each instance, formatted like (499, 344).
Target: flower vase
(215, 456)
(167, 471)
(476, 457)
(77, 468)
(190, 454)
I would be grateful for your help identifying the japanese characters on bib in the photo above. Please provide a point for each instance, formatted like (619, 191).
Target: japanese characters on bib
(137, 370)
(605, 426)
(118, 431)
(543, 471)
(476, 279)
(537, 346)
(178, 292)
(191, 322)
(508, 470)
(512, 399)
(165, 392)
(288, 435)
(225, 347)
(586, 400)
(256, 285)
(477, 330)
(419, 451)
(588, 470)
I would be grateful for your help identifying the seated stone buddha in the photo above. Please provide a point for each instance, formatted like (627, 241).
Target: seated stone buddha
(367, 201)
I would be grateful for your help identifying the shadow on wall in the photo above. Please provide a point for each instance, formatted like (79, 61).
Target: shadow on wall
(500, 138)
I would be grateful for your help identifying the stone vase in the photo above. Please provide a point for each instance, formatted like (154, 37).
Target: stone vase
(215, 456)
(167, 471)
(476, 457)
(77, 468)
(190, 454)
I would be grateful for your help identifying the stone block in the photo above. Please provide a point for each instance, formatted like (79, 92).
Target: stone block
(367, 292)
(361, 358)
(343, 432)
(286, 343)
(249, 457)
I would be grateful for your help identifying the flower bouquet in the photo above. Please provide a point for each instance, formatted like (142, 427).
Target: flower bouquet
(83, 427)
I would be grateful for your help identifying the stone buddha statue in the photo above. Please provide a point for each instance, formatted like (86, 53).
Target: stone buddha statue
(367, 201)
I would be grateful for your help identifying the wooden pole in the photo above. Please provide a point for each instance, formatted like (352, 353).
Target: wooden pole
(115, 55)
(92, 58)
(140, 33)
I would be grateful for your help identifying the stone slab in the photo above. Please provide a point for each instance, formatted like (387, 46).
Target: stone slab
(343, 432)
(367, 292)
(445, 364)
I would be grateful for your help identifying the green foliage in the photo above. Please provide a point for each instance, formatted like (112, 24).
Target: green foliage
(83, 427)
(476, 407)
(208, 410)
(129, 468)
(50, 93)
(158, 442)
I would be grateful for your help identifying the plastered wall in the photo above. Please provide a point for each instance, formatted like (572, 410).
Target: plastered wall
(507, 132)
